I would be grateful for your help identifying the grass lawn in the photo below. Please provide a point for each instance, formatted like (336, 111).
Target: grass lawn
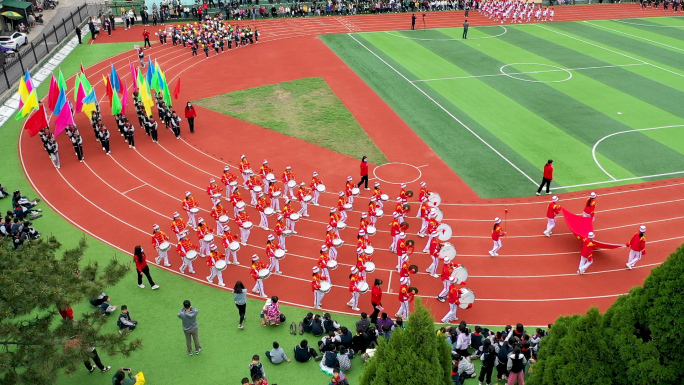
(597, 97)
(306, 109)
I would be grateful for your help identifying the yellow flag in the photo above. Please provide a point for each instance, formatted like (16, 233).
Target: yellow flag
(23, 91)
(30, 104)
(88, 109)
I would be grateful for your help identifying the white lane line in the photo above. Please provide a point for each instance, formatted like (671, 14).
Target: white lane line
(618, 180)
(565, 274)
(446, 111)
(634, 36)
(127, 191)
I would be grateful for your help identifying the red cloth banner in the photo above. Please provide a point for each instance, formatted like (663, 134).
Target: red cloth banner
(581, 226)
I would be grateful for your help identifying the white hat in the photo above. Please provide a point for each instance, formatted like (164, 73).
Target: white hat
(280, 216)
(188, 193)
(398, 199)
(341, 193)
(259, 195)
(265, 161)
(432, 214)
(288, 168)
(364, 215)
(302, 184)
(176, 215)
(377, 184)
(255, 257)
(403, 185)
(287, 200)
(270, 237)
(590, 235)
(361, 232)
(315, 173)
(404, 257)
(241, 209)
(183, 234)
(452, 279)
(315, 269)
(349, 178)
(396, 215)
(403, 280)
(359, 250)
(270, 177)
(642, 229)
(434, 232)
(497, 220)
(213, 247)
(445, 259)
(226, 168)
(333, 209)
(225, 220)
(212, 180)
(422, 184)
(200, 220)
(328, 228)
(354, 270)
(402, 235)
(242, 157)
(554, 198)
(156, 227)
(373, 199)
(324, 248)
(592, 195)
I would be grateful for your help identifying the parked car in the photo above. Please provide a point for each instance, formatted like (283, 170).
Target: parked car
(14, 41)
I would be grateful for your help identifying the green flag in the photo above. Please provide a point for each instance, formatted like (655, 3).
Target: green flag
(61, 82)
(86, 84)
(155, 85)
(116, 104)
(77, 81)
(165, 90)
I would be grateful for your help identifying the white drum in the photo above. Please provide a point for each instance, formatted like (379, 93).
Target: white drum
(257, 189)
(279, 253)
(164, 246)
(384, 197)
(216, 195)
(460, 274)
(294, 217)
(268, 211)
(341, 225)
(337, 242)
(325, 286)
(240, 205)
(209, 238)
(369, 250)
(348, 206)
(332, 264)
(439, 215)
(370, 266)
(292, 184)
(362, 286)
(276, 194)
(247, 171)
(444, 232)
(220, 265)
(434, 199)
(356, 191)
(233, 183)
(264, 273)
(379, 213)
(307, 198)
(371, 230)
(320, 187)
(287, 233)
(448, 251)
(234, 246)
(467, 298)
(270, 176)
(194, 210)
(247, 225)
(191, 255)
(224, 219)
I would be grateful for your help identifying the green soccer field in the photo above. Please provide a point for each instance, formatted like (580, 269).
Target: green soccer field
(601, 98)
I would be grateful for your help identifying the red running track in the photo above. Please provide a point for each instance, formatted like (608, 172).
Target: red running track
(118, 198)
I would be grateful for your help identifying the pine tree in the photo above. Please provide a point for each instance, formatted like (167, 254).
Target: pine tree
(415, 355)
(34, 284)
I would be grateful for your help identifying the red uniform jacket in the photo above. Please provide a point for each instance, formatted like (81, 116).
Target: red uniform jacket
(184, 246)
(548, 172)
(376, 295)
(352, 282)
(178, 225)
(364, 168)
(158, 238)
(497, 232)
(454, 294)
(638, 243)
(587, 249)
(552, 210)
(590, 206)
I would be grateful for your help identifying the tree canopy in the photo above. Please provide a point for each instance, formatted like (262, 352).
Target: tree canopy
(35, 283)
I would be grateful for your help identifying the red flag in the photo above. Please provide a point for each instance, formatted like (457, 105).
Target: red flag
(36, 122)
(82, 69)
(176, 91)
(53, 93)
(110, 92)
(124, 98)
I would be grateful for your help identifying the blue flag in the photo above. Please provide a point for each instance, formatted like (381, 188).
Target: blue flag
(90, 98)
(61, 102)
(114, 79)
(150, 72)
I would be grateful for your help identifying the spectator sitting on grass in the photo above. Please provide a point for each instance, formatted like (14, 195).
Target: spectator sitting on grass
(386, 332)
(338, 378)
(272, 312)
(3, 191)
(256, 368)
(277, 354)
(359, 342)
(363, 323)
(329, 361)
(304, 353)
(344, 359)
(305, 325)
(125, 321)
(317, 326)
(384, 320)
(105, 308)
(329, 324)
(327, 342)
(476, 340)
(466, 369)
(372, 337)
(344, 337)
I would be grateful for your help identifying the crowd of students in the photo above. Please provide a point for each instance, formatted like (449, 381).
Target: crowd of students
(16, 223)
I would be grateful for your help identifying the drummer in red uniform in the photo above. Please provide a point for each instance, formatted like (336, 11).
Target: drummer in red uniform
(241, 219)
(377, 194)
(280, 231)
(244, 166)
(372, 210)
(552, 210)
(330, 236)
(302, 194)
(590, 206)
(405, 296)
(422, 196)
(271, 247)
(287, 213)
(235, 198)
(497, 233)
(341, 201)
(159, 237)
(214, 189)
(447, 268)
(360, 263)
(435, 247)
(348, 190)
(262, 204)
(637, 247)
(202, 230)
(178, 225)
(275, 193)
(423, 213)
(395, 229)
(228, 237)
(315, 182)
(316, 279)
(404, 270)
(183, 247)
(323, 260)
(254, 271)
(334, 219)
(264, 170)
(354, 279)
(212, 258)
(453, 299)
(402, 249)
(431, 230)
(217, 212)
(586, 253)
(402, 194)
(254, 184)
(399, 209)
(227, 178)
(188, 204)
(288, 175)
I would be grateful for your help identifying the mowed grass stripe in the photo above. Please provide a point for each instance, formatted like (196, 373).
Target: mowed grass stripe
(658, 32)
(519, 113)
(456, 146)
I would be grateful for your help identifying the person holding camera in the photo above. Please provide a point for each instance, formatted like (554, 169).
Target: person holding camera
(120, 377)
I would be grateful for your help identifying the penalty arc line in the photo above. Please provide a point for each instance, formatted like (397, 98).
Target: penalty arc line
(446, 111)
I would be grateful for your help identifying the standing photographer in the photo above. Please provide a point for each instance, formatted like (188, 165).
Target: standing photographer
(120, 377)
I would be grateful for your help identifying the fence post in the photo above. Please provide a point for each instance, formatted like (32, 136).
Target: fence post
(4, 72)
(20, 62)
(73, 24)
(80, 18)
(66, 33)
(47, 47)
(54, 29)
(33, 48)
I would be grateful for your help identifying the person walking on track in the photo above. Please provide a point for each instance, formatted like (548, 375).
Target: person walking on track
(190, 115)
(548, 177)
(364, 173)
(637, 247)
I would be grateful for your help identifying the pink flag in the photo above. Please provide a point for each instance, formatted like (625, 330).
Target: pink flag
(64, 119)
(124, 98)
(80, 95)
(134, 75)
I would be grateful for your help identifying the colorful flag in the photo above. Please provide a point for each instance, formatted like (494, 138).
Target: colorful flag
(77, 83)
(176, 91)
(29, 81)
(30, 104)
(60, 102)
(150, 72)
(80, 95)
(88, 109)
(124, 98)
(114, 80)
(133, 74)
(91, 98)
(36, 122)
(64, 118)
(82, 69)
(166, 91)
(116, 104)
(61, 82)
(108, 88)
(86, 84)
(23, 92)
(53, 93)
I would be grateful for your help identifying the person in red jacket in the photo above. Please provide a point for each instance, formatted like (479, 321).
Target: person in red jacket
(497, 233)
(364, 173)
(453, 299)
(316, 279)
(590, 206)
(551, 211)
(142, 268)
(587, 253)
(548, 177)
(637, 247)
(190, 115)
(376, 300)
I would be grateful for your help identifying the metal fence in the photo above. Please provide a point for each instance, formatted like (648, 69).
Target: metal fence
(62, 27)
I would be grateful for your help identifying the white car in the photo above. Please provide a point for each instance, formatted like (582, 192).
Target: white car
(14, 41)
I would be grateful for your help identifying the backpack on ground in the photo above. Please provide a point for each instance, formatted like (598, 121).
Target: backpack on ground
(293, 328)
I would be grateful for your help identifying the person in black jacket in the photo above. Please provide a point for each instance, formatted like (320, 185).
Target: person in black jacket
(304, 353)
(317, 326)
(359, 342)
(488, 359)
(305, 325)
(344, 337)
(330, 358)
